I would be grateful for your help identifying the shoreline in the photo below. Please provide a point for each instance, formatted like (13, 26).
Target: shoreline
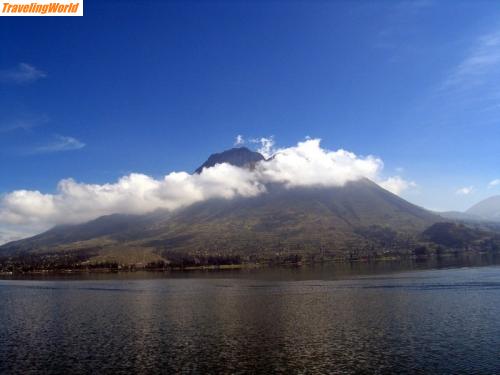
(247, 266)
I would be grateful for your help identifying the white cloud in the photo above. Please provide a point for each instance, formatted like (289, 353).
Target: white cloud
(24, 123)
(239, 140)
(466, 190)
(22, 73)
(266, 146)
(61, 143)
(468, 94)
(396, 184)
(306, 164)
(479, 64)
(134, 194)
(494, 183)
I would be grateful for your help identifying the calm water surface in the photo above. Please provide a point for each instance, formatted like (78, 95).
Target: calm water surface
(338, 319)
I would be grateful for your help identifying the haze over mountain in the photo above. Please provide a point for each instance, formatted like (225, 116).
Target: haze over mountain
(487, 209)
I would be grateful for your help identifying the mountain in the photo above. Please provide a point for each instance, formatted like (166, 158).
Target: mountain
(359, 217)
(301, 219)
(239, 156)
(488, 209)
(461, 236)
(451, 234)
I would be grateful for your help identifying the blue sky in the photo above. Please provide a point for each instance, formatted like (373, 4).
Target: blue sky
(154, 86)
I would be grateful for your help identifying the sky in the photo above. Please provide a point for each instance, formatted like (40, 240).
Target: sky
(153, 87)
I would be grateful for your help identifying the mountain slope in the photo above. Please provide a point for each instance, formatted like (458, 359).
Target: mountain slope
(302, 220)
(116, 226)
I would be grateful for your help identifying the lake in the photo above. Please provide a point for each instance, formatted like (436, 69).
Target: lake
(352, 318)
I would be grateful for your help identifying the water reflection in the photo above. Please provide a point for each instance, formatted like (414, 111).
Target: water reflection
(285, 321)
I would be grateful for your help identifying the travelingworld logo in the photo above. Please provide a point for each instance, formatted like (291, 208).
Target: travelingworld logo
(42, 8)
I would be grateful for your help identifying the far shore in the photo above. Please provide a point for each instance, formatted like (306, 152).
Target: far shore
(242, 266)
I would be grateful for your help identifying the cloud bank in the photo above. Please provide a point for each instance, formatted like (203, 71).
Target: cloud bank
(306, 164)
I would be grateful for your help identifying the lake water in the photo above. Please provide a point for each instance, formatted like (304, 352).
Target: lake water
(385, 318)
